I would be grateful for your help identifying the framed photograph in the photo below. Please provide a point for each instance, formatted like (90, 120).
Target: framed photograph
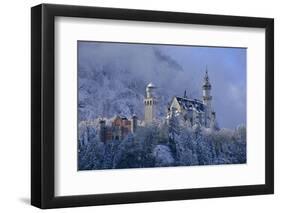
(139, 106)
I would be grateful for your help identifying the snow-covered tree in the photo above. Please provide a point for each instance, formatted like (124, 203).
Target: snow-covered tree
(161, 144)
(91, 155)
(128, 155)
(163, 156)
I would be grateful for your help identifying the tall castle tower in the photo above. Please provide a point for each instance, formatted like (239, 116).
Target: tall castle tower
(149, 104)
(207, 99)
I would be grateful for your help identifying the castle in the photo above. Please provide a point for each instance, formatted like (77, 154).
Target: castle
(194, 113)
(119, 129)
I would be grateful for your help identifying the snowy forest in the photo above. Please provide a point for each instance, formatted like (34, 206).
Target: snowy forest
(161, 146)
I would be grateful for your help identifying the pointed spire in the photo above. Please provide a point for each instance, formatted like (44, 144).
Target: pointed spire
(206, 74)
(206, 83)
(185, 96)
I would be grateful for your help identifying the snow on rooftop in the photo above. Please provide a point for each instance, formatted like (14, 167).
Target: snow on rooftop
(195, 104)
(151, 85)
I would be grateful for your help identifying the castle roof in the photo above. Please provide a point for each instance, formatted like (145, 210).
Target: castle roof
(151, 85)
(187, 103)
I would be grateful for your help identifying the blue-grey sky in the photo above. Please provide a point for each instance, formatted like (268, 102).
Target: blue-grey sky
(176, 68)
(227, 72)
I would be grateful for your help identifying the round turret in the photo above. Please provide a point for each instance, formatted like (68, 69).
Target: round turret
(134, 123)
(149, 90)
(150, 85)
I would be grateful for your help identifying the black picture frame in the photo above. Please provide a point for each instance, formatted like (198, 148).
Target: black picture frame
(43, 102)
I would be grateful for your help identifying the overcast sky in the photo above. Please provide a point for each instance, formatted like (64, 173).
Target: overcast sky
(176, 68)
